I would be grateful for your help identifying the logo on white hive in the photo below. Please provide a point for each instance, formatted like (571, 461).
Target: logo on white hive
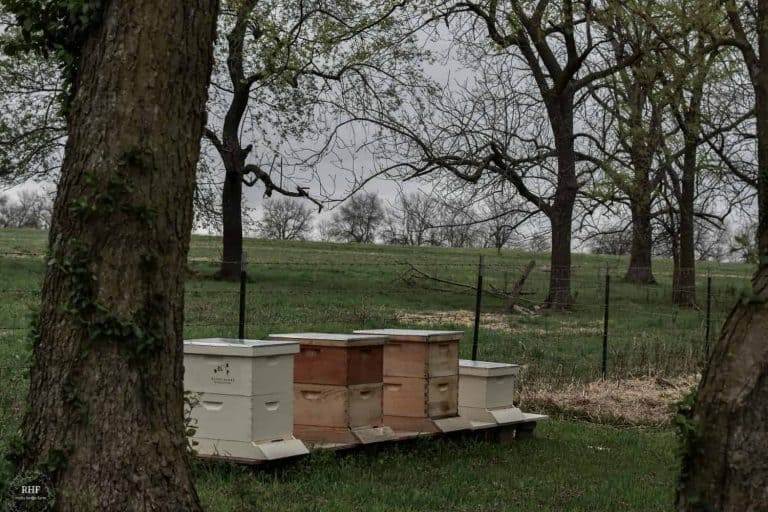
(221, 374)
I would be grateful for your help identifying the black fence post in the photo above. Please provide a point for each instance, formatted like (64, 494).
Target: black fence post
(605, 321)
(709, 316)
(243, 278)
(478, 304)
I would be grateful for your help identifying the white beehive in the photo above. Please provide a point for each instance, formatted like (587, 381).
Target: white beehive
(244, 390)
(486, 392)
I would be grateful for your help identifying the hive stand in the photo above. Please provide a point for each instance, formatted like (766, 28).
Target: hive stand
(244, 389)
(486, 394)
(338, 388)
(421, 380)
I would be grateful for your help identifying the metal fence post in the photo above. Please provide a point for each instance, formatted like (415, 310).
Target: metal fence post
(243, 278)
(478, 304)
(605, 322)
(709, 316)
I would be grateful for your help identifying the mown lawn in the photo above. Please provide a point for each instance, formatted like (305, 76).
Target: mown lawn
(328, 287)
(568, 467)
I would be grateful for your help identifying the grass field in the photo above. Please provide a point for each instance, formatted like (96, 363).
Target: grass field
(316, 286)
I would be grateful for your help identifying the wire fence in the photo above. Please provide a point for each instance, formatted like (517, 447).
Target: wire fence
(638, 332)
(633, 330)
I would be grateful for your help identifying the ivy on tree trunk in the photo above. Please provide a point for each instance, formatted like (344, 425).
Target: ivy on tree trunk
(105, 416)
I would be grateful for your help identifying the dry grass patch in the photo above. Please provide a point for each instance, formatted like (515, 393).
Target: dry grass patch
(499, 322)
(645, 401)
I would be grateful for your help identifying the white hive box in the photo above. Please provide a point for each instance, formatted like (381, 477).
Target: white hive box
(486, 392)
(244, 390)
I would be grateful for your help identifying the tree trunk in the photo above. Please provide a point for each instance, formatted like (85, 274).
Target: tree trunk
(559, 296)
(640, 271)
(561, 212)
(232, 154)
(724, 467)
(684, 294)
(105, 416)
(640, 197)
(232, 223)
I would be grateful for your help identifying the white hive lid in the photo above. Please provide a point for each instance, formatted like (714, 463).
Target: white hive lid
(331, 339)
(426, 336)
(486, 368)
(239, 348)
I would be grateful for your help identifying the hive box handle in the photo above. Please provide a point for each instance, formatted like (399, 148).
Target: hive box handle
(310, 395)
(272, 406)
(213, 406)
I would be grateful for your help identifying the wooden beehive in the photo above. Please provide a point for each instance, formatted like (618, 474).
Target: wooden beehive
(338, 387)
(486, 391)
(244, 393)
(421, 379)
(336, 359)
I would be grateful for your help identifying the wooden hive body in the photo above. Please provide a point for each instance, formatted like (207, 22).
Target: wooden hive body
(244, 394)
(420, 379)
(337, 387)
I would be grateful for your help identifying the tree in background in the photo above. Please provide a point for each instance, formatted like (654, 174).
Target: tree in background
(725, 440)
(276, 61)
(358, 219)
(410, 220)
(743, 244)
(33, 130)
(514, 122)
(28, 210)
(105, 411)
(613, 243)
(285, 219)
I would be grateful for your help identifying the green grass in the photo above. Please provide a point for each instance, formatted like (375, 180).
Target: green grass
(568, 466)
(328, 287)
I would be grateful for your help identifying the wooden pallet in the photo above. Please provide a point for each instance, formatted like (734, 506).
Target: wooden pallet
(491, 432)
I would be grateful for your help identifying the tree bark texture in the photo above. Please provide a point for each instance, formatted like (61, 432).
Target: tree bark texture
(726, 463)
(231, 151)
(725, 467)
(684, 293)
(106, 388)
(640, 261)
(561, 211)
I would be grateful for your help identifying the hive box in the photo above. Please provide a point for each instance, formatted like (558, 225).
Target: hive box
(486, 392)
(244, 393)
(338, 387)
(421, 370)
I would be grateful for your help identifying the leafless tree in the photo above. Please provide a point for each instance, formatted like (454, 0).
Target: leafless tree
(503, 218)
(28, 210)
(611, 242)
(32, 128)
(515, 122)
(410, 220)
(285, 219)
(358, 219)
